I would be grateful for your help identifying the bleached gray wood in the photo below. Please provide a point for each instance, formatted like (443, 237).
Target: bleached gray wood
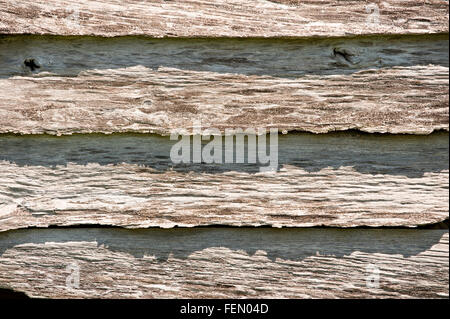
(223, 18)
(340, 179)
(226, 263)
(82, 85)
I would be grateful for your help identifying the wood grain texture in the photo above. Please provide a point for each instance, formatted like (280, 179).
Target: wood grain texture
(226, 263)
(340, 179)
(132, 67)
(219, 18)
(83, 85)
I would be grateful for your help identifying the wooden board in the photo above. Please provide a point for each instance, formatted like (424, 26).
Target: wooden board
(92, 206)
(219, 18)
(131, 84)
(340, 179)
(226, 263)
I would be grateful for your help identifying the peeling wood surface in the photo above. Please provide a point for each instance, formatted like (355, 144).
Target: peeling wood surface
(226, 263)
(340, 179)
(83, 85)
(223, 18)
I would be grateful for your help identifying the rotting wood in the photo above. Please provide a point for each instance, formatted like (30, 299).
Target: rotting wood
(340, 179)
(83, 85)
(223, 18)
(226, 263)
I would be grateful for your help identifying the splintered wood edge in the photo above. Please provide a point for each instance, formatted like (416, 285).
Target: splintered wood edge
(225, 263)
(218, 18)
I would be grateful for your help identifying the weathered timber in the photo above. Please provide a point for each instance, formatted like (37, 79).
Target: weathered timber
(60, 85)
(340, 179)
(223, 18)
(109, 206)
(226, 263)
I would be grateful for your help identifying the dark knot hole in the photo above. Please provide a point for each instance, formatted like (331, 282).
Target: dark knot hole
(31, 64)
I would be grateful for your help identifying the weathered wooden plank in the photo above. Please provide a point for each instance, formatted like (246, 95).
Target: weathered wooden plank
(373, 84)
(340, 179)
(226, 263)
(219, 18)
(286, 58)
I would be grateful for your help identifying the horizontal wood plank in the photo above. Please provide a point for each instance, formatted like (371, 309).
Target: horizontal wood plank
(83, 85)
(340, 179)
(226, 263)
(219, 18)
